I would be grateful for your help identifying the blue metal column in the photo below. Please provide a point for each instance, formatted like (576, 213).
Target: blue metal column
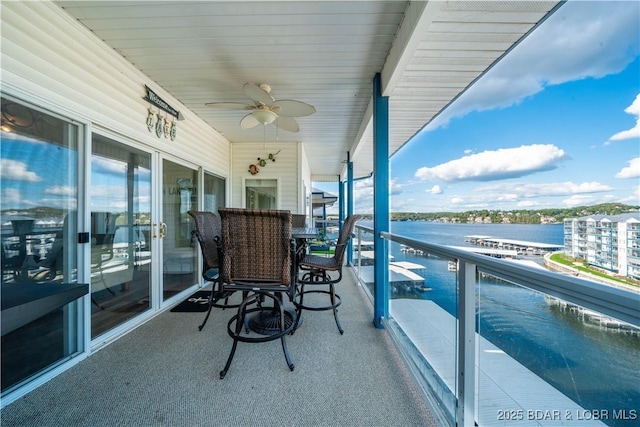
(340, 203)
(349, 206)
(380, 202)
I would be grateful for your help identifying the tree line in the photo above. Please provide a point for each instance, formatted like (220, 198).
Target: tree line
(518, 216)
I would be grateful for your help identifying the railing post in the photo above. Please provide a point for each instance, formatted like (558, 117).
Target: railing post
(359, 240)
(466, 344)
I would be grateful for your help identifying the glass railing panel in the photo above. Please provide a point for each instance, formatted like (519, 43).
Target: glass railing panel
(363, 258)
(538, 360)
(541, 360)
(422, 309)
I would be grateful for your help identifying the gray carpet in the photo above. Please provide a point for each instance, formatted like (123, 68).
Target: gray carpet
(165, 373)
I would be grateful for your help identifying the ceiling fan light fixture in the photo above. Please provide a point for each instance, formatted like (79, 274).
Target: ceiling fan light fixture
(266, 117)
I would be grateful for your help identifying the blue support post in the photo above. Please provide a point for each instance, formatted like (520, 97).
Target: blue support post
(340, 203)
(380, 201)
(349, 206)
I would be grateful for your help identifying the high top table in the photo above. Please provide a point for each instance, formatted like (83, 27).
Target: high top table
(304, 232)
(268, 323)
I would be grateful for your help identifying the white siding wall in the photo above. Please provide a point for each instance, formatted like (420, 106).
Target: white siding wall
(286, 169)
(49, 58)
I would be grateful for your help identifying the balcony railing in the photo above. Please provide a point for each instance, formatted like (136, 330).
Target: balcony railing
(498, 342)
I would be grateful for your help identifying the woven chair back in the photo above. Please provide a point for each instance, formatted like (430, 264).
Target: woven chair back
(343, 238)
(298, 220)
(208, 229)
(256, 245)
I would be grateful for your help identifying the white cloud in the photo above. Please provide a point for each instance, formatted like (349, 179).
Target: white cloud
(634, 132)
(495, 165)
(581, 40)
(579, 200)
(435, 190)
(61, 190)
(527, 196)
(527, 204)
(632, 198)
(529, 190)
(11, 197)
(66, 203)
(363, 189)
(15, 170)
(108, 166)
(631, 171)
(394, 188)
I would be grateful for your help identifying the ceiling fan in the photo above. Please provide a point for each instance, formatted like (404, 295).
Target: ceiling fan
(266, 109)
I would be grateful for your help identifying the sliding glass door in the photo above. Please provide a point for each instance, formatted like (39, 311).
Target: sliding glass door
(121, 235)
(179, 251)
(41, 325)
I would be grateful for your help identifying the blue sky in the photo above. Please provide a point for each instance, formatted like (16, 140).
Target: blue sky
(44, 189)
(554, 124)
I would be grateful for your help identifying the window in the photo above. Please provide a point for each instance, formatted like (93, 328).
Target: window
(261, 193)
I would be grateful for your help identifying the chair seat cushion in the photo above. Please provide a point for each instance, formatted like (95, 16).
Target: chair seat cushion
(315, 261)
(210, 274)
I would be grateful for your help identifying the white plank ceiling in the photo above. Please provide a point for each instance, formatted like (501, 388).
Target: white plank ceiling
(325, 53)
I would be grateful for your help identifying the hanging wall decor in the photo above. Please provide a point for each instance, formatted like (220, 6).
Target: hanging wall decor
(272, 157)
(151, 120)
(159, 126)
(253, 169)
(155, 121)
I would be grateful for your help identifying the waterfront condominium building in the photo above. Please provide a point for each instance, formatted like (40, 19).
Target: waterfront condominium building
(610, 242)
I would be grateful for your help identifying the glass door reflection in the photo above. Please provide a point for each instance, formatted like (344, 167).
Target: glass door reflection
(179, 253)
(40, 156)
(120, 233)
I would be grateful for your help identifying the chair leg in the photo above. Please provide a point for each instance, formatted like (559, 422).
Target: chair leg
(223, 373)
(286, 354)
(299, 308)
(282, 339)
(335, 309)
(212, 301)
(239, 322)
(208, 313)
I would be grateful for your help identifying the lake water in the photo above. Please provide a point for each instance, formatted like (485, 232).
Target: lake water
(599, 369)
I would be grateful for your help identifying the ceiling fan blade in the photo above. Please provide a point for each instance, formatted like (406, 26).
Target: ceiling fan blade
(248, 122)
(287, 123)
(257, 94)
(230, 105)
(291, 108)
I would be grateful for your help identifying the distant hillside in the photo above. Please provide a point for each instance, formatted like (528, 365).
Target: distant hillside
(485, 216)
(521, 216)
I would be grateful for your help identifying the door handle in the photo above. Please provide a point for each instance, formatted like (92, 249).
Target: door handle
(163, 230)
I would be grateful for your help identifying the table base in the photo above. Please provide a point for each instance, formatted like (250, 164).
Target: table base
(268, 322)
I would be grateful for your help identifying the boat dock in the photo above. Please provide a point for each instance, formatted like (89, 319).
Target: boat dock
(402, 277)
(521, 247)
(496, 253)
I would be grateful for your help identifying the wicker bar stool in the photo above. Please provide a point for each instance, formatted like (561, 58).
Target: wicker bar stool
(317, 271)
(207, 232)
(258, 258)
